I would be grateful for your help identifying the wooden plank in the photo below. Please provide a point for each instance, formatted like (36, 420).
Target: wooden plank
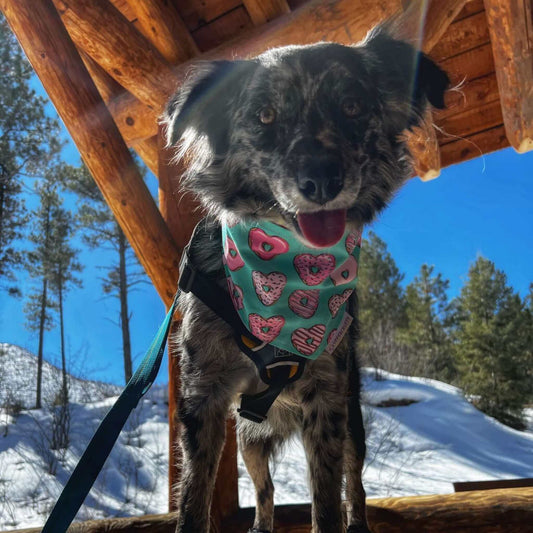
(262, 11)
(161, 24)
(470, 96)
(99, 29)
(222, 29)
(196, 14)
(125, 8)
(481, 118)
(474, 146)
(463, 486)
(462, 36)
(56, 61)
(470, 65)
(511, 32)
(471, 8)
(135, 120)
(484, 511)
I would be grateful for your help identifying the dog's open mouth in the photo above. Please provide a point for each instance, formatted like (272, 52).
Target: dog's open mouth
(322, 228)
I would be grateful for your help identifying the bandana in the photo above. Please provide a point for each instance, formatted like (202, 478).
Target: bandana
(286, 293)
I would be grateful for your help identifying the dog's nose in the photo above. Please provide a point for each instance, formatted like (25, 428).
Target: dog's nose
(320, 179)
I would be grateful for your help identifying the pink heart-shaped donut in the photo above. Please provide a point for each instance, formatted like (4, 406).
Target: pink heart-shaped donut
(266, 246)
(336, 301)
(346, 272)
(304, 303)
(314, 269)
(269, 287)
(232, 256)
(307, 340)
(266, 329)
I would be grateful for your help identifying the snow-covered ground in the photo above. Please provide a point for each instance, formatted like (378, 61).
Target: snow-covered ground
(420, 448)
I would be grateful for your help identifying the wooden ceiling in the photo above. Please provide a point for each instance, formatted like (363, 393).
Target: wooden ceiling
(110, 65)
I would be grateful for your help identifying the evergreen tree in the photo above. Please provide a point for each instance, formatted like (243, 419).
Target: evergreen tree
(103, 230)
(63, 269)
(28, 145)
(39, 305)
(427, 316)
(382, 306)
(492, 344)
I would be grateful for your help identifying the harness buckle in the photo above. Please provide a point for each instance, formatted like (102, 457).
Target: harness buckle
(187, 271)
(250, 415)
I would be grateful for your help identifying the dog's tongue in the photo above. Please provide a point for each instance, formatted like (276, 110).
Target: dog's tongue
(323, 228)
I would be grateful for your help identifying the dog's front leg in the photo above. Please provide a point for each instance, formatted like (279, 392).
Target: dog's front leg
(323, 432)
(202, 439)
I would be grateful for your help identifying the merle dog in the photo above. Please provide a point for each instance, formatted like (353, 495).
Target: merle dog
(308, 137)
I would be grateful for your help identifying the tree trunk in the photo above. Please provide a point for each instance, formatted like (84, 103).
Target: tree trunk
(42, 319)
(124, 312)
(64, 388)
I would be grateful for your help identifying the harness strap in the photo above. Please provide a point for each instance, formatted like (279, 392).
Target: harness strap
(94, 457)
(275, 369)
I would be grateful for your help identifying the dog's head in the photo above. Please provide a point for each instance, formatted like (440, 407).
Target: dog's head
(306, 136)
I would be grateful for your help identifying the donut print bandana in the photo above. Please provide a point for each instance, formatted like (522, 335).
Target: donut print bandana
(286, 293)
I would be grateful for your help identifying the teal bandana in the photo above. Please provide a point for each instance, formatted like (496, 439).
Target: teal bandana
(286, 293)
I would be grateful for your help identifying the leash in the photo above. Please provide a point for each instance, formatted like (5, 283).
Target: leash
(94, 457)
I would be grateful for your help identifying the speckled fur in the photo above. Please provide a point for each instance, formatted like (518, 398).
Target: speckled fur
(241, 168)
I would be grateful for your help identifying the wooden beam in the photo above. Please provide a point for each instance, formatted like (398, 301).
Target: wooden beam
(511, 33)
(148, 151)
(100, 30)
(480, 511)
(160, 22)
(56, 61)
(135, 120)
(262, 11)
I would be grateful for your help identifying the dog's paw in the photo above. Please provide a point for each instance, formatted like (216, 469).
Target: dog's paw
(362, 528)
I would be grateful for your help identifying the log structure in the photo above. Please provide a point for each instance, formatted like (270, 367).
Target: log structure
(481, 511)
(109, 66)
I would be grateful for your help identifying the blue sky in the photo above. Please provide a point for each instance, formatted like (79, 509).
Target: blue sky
(483, 206)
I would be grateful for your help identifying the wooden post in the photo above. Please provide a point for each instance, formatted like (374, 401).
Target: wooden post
(56, 61)
(511, 34)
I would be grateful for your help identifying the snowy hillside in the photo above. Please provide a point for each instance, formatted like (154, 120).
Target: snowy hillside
(431, 438)
(18, 378)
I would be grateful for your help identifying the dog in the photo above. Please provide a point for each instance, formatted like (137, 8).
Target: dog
(308, 138)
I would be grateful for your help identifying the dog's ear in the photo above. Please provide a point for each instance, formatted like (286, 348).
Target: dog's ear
(406, 73)
(202, 104)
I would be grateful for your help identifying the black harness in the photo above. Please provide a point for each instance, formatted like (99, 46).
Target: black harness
(277, 368)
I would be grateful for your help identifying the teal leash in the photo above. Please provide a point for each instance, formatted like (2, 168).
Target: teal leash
(98, 450)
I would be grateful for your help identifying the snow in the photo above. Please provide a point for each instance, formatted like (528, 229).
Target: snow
(414, 448)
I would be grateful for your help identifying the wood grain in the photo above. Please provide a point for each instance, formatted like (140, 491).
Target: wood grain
(484, 511)
(100, 30)
(511, 33)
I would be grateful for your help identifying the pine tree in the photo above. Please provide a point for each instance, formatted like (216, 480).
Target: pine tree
(63, 269)
(39, 305)
(492, 344)
(425, 335)
(382, 305)
(28, 145)
(103, 230)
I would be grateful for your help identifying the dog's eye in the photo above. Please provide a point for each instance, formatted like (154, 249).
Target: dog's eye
(267, 115)
(350, 107)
